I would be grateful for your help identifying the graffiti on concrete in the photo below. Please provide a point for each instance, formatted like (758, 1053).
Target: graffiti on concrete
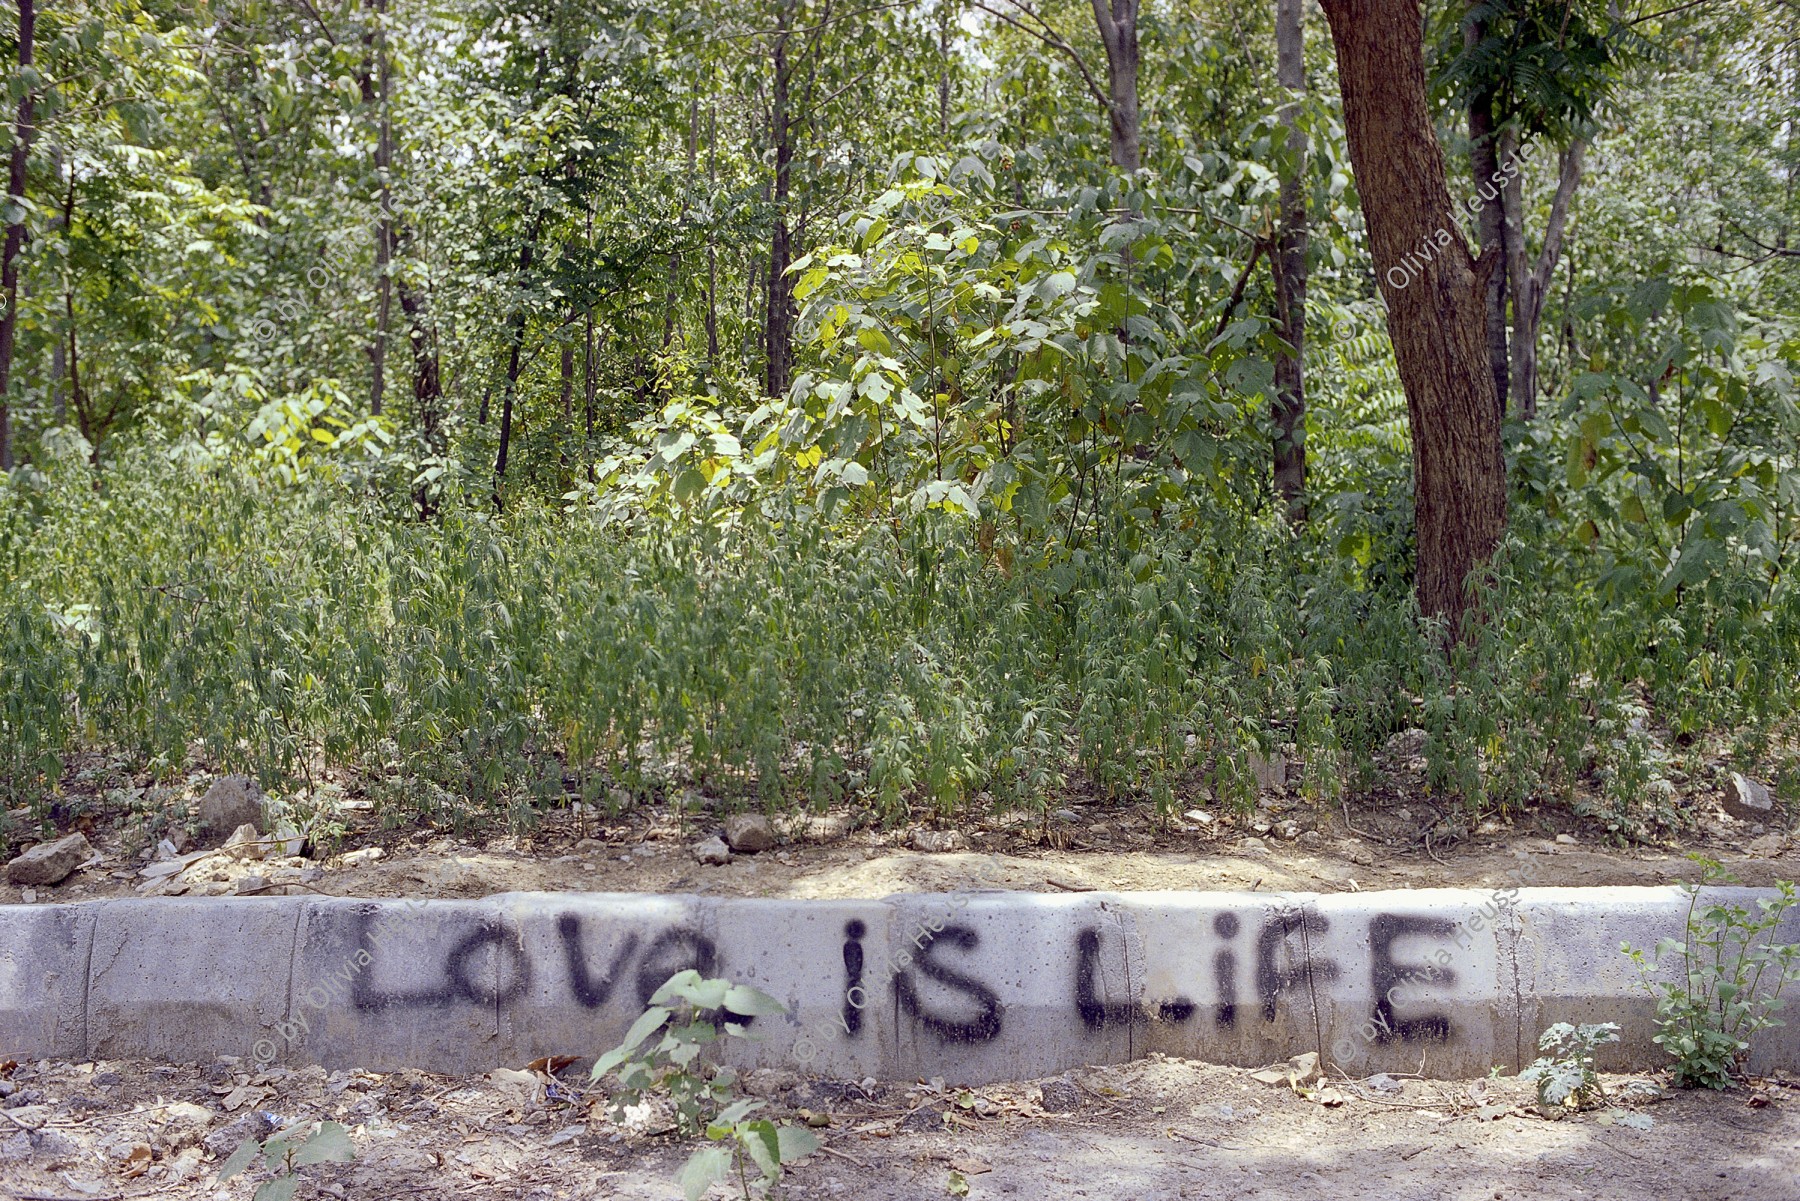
(937, 983)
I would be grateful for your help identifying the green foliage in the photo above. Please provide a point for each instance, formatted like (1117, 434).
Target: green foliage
(329, 1142)
(1731, 973)
(692, 1013)
(1564, 1074)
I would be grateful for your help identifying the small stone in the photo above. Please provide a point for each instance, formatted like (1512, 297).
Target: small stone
(179, 838)
(1311, 839)
(1747, 800)
(232, 801)
(923, 1120)
(1488, 826)
(1766, 847)
(244, 843)
(1288, 830)
(1270, 773)
(44, 1147)
(939, 841)
(165, 850)
(251, 884)
(50, 862)
(1568, 840)
(28, 895)
(226, 1139)
(1061, 1097)
(770, 1082)
(712, 851)
(587, 846)
(748, 833)
(1066, 815)
(826, 827)
(1199, 817)
(358, 858)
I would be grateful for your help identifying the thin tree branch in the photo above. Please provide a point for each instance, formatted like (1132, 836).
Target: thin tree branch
(1049, 37)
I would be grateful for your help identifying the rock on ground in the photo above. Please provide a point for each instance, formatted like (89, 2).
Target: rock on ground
(1747, 800)
(253, 1125)
(748, 833)
(244, 843)
(50, 862)
(939, 841)
(712, 851)
(232, 801)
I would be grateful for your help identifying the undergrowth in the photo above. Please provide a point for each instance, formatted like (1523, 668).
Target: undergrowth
(484, 668)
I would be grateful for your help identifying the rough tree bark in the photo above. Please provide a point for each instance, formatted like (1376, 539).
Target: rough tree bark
(778, 315)
(1484, 165)
(379, 93)
(1118, 21)
(15, 230)
(1434, 293)
(1290, 272)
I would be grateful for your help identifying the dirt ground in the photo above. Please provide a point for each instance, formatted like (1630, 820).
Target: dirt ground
(1400, 836)
(1155, 1130)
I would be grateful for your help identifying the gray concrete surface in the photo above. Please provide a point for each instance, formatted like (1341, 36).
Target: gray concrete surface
(976, 987)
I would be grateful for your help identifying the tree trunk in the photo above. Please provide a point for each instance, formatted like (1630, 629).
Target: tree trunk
(428, 391)
(1530, 280)
(712, 245)
(59, 363)
(1484, 165)
(1434, 296)
(384, 220)
(15, 230)
(1117, 20)
(778, 318)
(516, 340)
(1290, 272)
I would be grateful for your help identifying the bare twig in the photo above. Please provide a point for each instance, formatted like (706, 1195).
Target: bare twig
(18, 1123)
(843, 1155)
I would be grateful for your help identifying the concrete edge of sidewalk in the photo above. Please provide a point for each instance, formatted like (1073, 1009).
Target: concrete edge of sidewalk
(976, 986)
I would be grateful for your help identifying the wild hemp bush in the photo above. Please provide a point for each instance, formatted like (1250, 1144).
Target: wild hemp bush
(479, 665)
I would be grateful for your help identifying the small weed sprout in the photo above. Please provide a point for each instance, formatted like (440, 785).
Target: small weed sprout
(1564, 1074)
(330, 1143)
(692, 1013)
(1730, 984)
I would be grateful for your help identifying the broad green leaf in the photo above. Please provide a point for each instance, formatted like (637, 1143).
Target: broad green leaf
(704, 1168)
(239, 1159)
(331, 1144)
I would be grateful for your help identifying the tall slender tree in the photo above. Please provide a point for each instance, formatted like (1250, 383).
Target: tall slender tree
(23, 129)
(1290, 270)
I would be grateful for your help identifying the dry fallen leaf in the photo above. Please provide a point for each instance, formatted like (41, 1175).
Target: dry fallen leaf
(138, 1162)
(550, 1064)
(247, 1094)
(970, 1167)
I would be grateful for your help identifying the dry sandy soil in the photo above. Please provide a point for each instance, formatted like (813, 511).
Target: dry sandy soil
(1287, 844)
(1155, 1130)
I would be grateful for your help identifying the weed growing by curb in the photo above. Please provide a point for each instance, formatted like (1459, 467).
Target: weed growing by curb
(1732, 974)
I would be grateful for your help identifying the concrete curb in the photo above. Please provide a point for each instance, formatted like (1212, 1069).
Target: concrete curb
(974, 986)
